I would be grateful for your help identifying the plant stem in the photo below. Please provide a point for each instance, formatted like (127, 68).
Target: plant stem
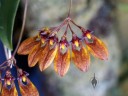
(70, 6)
(7, 51)
(66, 30)
(71, 29)
(22, 29)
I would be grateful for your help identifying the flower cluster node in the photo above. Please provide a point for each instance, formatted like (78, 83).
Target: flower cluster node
(60, 50)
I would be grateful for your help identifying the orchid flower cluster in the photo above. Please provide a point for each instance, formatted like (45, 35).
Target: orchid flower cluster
(25, 85)
(45, 48)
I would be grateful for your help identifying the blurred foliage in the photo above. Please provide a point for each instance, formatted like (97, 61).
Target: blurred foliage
(123, 7)
(8, 9)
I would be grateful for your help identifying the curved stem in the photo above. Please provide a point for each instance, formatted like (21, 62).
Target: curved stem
(5, 62)
(21, 34)
(58, 27)
(22, 29)
(70, 6)
(71, 29)
(76, 24)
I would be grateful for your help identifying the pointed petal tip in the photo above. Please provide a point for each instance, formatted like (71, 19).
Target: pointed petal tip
(105, 59)
(62, 74)
(41, 69)
(85, 69)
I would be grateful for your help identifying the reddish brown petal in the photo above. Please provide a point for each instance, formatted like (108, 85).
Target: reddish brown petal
(27, 89)
(33, 57)
(81, 58)
(27, 45)
(62, 62)
(47, 57)
(9, 92)
(98, 49)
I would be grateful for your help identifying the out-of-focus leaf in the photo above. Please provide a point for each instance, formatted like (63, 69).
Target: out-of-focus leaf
(8, 9)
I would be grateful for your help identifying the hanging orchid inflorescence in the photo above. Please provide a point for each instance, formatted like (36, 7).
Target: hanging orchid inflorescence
(25, 85)
(46, 48)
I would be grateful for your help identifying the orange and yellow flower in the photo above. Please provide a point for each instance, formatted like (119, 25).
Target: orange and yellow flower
(45, 48)
(9, 88)
(26, 86)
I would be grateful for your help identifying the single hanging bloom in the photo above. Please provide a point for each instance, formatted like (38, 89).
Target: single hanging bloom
(95, 46)
(9, 88)
(80, 55)
(62, 58)
(27, 88)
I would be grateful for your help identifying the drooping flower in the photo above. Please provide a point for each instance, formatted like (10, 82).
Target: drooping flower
(9, 88)
(62, 58)
(27, 88)
(46, 48)
(95, 46)
(80, 55)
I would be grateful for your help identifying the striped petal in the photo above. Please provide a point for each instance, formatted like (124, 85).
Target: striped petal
(27, 45)
(47, 57)
(81, 58)
(33, 56)
(97, 48)
(27, 89)
(62, 62)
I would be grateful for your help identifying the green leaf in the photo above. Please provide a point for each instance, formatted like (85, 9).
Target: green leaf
(8, 9)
